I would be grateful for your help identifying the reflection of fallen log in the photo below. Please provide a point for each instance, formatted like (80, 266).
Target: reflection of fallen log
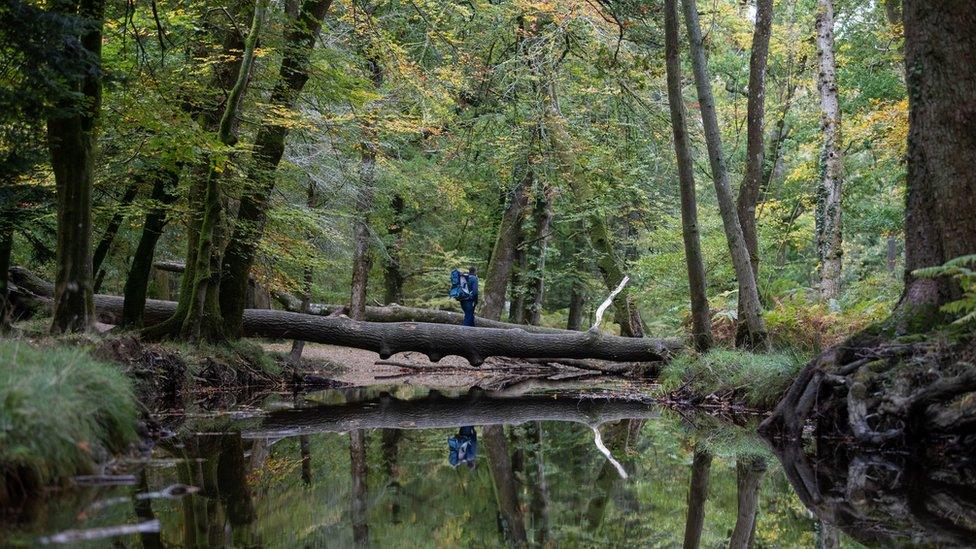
(434, 340)
(388, 313)
(441, 412)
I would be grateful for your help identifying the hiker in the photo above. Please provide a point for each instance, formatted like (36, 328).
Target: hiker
(463, 447)
(464, 288)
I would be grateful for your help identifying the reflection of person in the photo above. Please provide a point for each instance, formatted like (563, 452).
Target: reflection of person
(463, 447)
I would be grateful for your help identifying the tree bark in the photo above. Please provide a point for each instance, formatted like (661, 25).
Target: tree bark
(700, 314)
(517, 290)
(574, 320)
(269, 146)
(828, 217)
(500, 265)
(754, 335)
(940, 38)
(137, 281)
(505, 492)
(749, 472)
(749, 190)
(697, 496)
(71, 142)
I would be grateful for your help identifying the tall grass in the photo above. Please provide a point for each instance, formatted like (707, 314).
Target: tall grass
(60, 413)
(758, 379)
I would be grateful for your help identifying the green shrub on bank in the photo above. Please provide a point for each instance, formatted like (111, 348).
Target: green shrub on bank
(61, 412)
(757, 379)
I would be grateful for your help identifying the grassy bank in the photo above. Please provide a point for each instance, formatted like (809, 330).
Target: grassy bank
(753, 380)
(61, 412)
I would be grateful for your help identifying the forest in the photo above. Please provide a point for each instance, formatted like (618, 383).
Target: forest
(760, 209)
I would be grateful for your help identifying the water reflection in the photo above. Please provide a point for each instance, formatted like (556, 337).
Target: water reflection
(339, 473)
(926, 496)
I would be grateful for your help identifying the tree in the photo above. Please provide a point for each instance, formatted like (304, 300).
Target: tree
(700, 313)
(829, 238)
(269, 145)
(71, 140)
(754, 334)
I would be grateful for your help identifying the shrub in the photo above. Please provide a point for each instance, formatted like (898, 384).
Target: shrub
(757, 379)
(60, 413)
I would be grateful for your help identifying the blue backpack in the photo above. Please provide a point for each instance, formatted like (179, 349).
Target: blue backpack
(459, 286)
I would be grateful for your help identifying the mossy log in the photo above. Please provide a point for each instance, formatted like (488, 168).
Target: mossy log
(388, 338)
(388, 313)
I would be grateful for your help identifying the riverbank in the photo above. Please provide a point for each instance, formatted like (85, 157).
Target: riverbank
(117, 381)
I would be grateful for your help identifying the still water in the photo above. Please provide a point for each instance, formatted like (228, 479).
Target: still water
(372, 468)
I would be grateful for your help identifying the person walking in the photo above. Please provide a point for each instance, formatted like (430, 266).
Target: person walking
(464, 288)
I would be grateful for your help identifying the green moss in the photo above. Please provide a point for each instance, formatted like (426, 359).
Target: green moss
(759, 379)
(61, 412)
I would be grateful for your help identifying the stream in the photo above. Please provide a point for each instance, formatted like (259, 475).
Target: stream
(372, 467)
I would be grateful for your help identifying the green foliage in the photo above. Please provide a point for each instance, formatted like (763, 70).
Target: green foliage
(964, 309)
(61, 412)
(758, 379)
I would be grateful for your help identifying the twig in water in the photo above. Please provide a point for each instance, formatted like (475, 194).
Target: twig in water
(75, 536)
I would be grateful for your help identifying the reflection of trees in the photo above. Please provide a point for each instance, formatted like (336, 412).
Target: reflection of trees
(143, 510)
(500, 463)
(749, 472)
(619, 437)
(306, 454)
(390, 442)
(538, 488)
(697, 495)
(215, 463)
(357, 461)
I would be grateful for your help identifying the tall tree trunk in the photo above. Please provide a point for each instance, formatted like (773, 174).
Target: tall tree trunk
(71, 141)
(520, 264)
(362, 260)
(502, 254)
(393, 277)
(828, 536)
(137, 282)
(537, 286)
(574, 320)
(755, 330)
(269, 146)
(891, 253)
(357, 461)
(749, 472)
(828, 218)
(700, 314)
(697, 496)
(298, 345)
(500, 463)
(940, 41)
(111, 230)
(752, 180)
(305, 452)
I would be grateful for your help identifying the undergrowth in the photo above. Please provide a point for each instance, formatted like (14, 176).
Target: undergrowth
(61, 412)
(758, 380)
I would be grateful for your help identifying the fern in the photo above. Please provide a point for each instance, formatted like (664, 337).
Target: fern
(959, 269)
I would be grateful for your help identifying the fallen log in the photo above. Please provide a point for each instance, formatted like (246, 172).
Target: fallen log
(388, 338)
(439, 412)
(387, 313)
